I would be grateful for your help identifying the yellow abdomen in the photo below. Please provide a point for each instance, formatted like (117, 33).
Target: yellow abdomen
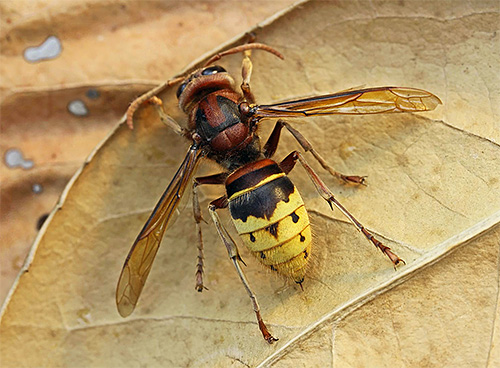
(270, 217)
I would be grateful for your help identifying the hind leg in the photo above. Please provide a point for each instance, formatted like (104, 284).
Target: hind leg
(234, 255)
(288, 164)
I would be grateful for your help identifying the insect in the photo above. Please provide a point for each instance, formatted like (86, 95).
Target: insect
(266, 207)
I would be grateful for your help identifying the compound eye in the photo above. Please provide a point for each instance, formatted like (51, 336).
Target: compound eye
(181, 89)
(213, 70)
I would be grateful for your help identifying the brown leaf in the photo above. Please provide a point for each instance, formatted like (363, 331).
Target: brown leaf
(433, 196)
(110, 53)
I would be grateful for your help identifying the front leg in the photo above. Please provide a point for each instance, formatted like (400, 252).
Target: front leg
(134, 106)
(246, 73)
(167, 119)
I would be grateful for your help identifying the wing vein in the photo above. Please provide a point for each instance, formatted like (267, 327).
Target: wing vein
(363, 101)
(141, 256)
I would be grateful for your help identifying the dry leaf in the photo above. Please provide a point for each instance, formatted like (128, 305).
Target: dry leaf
(109, 53)
(433, 195)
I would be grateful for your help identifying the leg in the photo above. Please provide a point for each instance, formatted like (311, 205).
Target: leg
(272, 144)
(232, 250)
(167, 119)
(289, 162)
(273, 140)
(246, 73)
(212, 179)
(145, 97)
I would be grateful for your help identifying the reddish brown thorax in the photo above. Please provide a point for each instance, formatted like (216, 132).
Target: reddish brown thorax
(212, 104)
(217, 119)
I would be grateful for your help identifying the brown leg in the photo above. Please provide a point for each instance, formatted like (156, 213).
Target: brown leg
(272, 144)
(232, 250)
(273, 140)
(145, 97)
(167, 119)
(216, 179)
(289, 162)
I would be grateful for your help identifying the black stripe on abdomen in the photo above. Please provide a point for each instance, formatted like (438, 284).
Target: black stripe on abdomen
(260, 202)
(251, 179)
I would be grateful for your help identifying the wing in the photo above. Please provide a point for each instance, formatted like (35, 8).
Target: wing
(140, 258)
(363, 101)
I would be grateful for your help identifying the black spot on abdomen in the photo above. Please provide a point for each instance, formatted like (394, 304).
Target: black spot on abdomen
(273, 229)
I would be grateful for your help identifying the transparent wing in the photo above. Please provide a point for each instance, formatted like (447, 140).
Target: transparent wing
(362, 101)
(140, 258)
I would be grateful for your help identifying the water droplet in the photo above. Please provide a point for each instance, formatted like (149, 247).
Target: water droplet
(93, 94)
(49, 49)
(14, 158)
(37, 188)
(78, 108)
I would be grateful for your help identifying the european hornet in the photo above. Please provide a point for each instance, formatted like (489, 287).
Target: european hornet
(266, 207)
